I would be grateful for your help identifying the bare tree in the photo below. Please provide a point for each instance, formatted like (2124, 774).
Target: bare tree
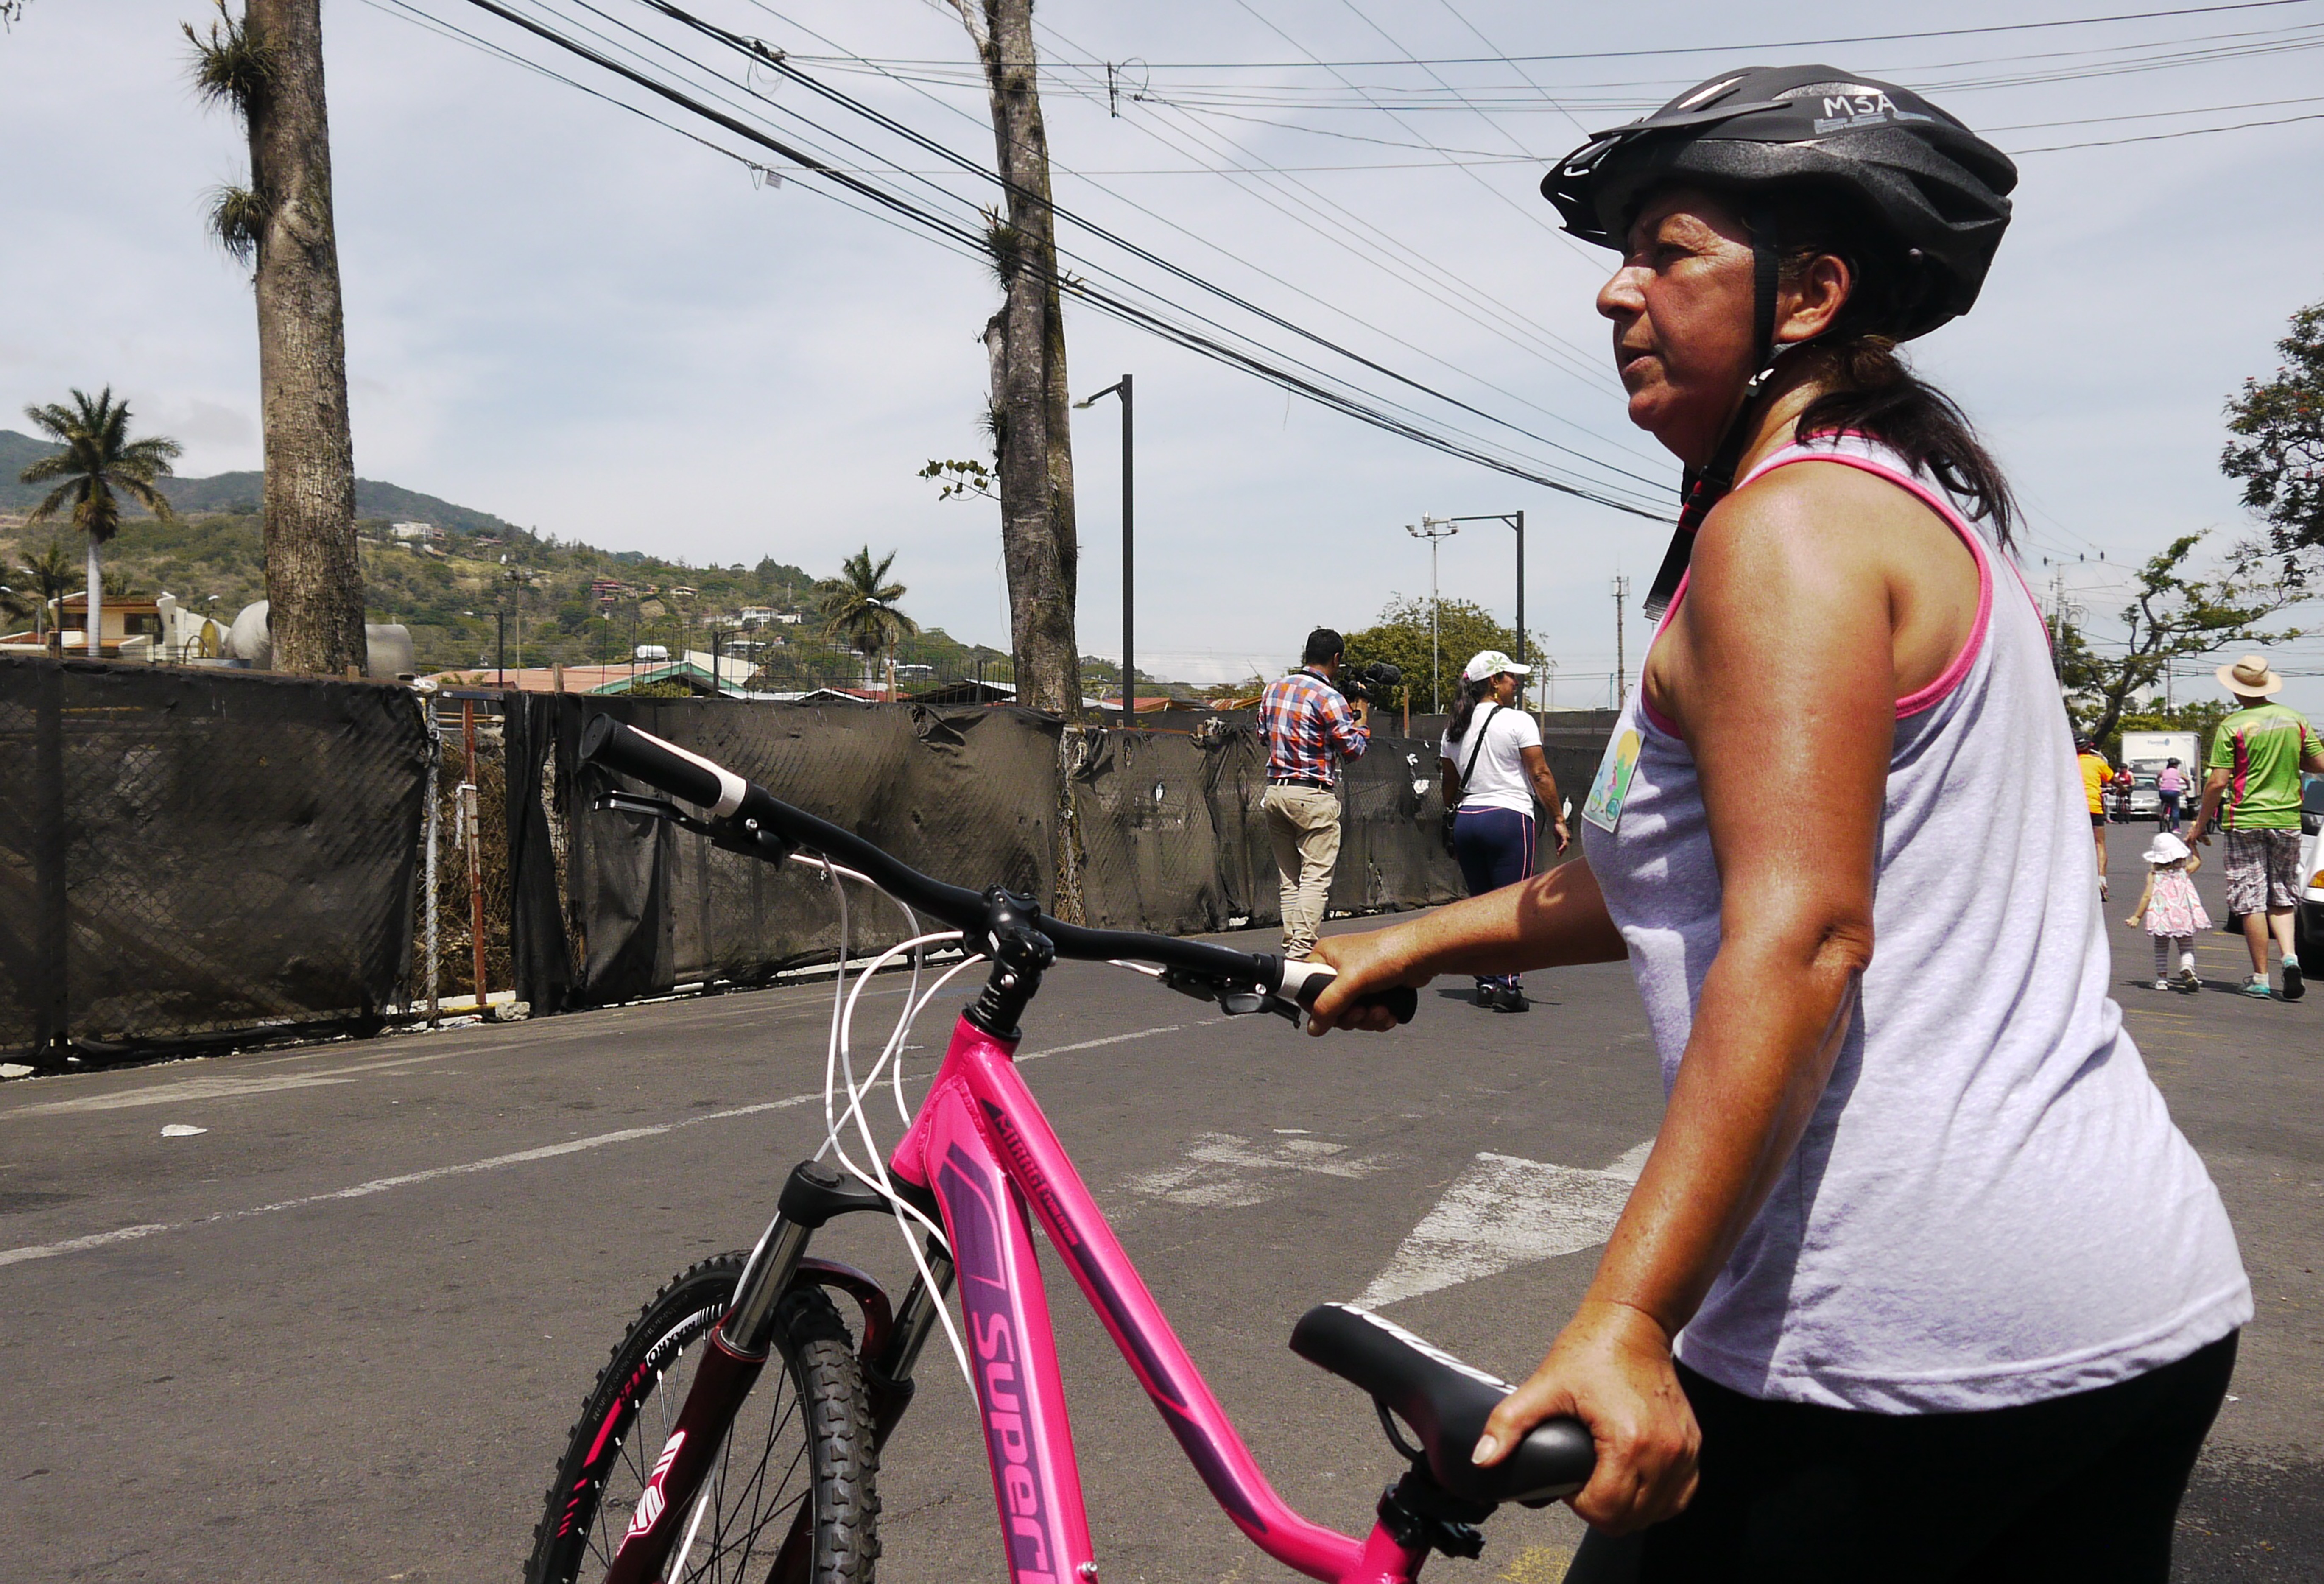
(1025, 344)
(268, 66)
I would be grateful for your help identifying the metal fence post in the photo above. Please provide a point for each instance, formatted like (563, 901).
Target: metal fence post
(435, 759)
(55, 1015)
(471, 808)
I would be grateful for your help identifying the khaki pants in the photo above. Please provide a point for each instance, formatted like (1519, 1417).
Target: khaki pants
(1303, 825)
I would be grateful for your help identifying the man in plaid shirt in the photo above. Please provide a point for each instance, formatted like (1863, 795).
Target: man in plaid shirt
(1310, 728)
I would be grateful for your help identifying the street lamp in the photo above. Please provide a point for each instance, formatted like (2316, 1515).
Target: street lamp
(1432, 529)
(1514, 520)
(1129, 614)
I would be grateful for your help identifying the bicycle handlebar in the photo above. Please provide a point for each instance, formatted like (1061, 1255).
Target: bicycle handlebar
(751, 814)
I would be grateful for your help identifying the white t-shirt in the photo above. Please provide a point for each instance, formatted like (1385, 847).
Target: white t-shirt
(1499, 779)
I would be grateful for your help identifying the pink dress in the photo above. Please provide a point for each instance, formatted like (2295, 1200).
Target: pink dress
(2173, 908)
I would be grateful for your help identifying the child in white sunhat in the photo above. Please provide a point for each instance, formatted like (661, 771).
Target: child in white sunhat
(2173, 913)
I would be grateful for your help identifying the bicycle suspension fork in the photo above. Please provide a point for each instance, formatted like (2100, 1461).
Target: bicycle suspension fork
(739, 1348)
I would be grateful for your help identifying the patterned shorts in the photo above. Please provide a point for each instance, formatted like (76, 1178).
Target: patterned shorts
(2262, 871)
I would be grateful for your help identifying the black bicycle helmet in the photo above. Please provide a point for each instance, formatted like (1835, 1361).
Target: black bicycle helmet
(1938, 192)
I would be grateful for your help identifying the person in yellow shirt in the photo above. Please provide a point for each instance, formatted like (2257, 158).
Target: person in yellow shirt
(2095, 774)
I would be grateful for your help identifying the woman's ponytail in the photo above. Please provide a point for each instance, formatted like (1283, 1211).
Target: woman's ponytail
(1465, 706)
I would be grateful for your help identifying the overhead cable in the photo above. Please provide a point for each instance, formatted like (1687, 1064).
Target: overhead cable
(775, 60)
(1096, 297)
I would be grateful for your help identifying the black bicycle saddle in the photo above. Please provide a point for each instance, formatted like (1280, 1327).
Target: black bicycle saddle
(1445, 1402)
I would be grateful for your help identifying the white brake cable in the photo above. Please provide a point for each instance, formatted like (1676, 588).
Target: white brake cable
(877, 1179)
(838, 1059)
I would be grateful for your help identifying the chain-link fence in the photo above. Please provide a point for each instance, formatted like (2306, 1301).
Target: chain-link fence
(189, 853)
(471, 869)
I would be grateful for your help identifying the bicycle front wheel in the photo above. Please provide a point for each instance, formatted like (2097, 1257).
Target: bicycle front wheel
(791, 1498)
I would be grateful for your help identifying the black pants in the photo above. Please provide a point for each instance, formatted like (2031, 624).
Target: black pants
(2083, 1488)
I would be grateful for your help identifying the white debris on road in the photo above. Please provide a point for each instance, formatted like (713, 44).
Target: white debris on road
(182, 1130)
(1501, 1212)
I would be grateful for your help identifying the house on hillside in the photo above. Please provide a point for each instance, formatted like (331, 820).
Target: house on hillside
(121, 619)
(414, 533)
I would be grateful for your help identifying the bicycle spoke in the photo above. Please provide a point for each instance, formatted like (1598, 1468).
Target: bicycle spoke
(720, 1543)
(762, 1475)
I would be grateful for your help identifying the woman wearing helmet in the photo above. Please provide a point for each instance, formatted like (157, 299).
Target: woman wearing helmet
(1919, 1280)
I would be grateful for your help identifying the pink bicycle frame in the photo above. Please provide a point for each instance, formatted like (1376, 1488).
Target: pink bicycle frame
(983, 1147)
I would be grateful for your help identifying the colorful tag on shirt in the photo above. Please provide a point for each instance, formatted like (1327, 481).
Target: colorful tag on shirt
(1611, 789)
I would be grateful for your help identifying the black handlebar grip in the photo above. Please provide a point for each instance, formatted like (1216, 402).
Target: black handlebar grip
(661, 765)
(1303, 981)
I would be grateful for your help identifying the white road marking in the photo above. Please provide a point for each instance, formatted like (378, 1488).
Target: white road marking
(1501, 1212)
(184, 1090)
(182, 1130)
(1223, 1172)
(495, 1163)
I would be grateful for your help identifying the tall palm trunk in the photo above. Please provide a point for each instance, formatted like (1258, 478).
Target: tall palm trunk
(314, 578)
(1026, 342)
(95, 600)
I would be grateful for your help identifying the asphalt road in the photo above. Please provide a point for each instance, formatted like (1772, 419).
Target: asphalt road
(339, 1333)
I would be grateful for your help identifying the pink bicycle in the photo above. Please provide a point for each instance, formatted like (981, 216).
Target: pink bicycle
(692, 1460)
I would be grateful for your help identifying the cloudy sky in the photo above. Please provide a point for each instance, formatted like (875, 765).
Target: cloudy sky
(563, 312)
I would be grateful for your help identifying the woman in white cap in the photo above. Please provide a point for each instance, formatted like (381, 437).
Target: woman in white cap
(2253, 791)
(1495, 771)
(1918, 1283)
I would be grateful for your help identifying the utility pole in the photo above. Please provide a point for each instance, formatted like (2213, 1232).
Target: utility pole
(1621, 655)
(1128, 560)
(1433, 530)
(1514, 520)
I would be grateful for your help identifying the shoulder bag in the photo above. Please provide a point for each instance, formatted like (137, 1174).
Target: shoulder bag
(1476, 747)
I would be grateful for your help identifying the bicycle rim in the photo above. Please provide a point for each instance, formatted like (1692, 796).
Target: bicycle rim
(789, 1499)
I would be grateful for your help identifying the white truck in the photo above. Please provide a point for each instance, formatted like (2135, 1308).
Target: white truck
(2147, 751)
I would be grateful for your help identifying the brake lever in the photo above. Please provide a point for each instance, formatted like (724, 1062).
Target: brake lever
(747, 837)
(1234, 1000)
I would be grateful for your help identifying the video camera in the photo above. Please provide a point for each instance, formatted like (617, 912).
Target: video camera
(1370, 680)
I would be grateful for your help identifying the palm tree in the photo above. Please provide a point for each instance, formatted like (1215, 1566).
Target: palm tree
(859, 606)
(98, 459)
(49, 573)
(267, 67)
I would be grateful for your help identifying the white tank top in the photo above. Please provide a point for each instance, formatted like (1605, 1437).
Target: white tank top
(1991, 1205)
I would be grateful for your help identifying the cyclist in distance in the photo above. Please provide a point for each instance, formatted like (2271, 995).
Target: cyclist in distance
(1920, 1281)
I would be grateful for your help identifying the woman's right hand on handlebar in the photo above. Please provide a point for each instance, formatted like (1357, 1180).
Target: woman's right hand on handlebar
(1366, 962)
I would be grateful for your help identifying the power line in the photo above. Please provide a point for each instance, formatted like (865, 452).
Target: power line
(1106, 302)
(1588, 370)
(1810, 43)
(2156, 137)
(758, 51)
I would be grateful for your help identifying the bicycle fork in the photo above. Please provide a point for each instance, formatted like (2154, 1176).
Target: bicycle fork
(739, 1348)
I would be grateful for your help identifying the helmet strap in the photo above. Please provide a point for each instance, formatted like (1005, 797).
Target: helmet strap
(1703, 488)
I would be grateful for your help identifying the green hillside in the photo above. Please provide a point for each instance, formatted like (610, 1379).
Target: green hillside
(240, 492)
(568, 604)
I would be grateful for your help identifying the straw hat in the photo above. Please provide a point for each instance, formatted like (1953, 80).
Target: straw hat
(2166, 848)
(2249, 678)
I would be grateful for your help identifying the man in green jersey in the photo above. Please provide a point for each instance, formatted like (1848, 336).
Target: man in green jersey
(2256, 756)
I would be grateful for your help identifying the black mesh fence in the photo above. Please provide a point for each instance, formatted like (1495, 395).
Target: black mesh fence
(967, 795)
(193, 853)
(1165, 828)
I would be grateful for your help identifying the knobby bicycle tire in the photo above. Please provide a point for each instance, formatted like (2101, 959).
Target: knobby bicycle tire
(804, 1435)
